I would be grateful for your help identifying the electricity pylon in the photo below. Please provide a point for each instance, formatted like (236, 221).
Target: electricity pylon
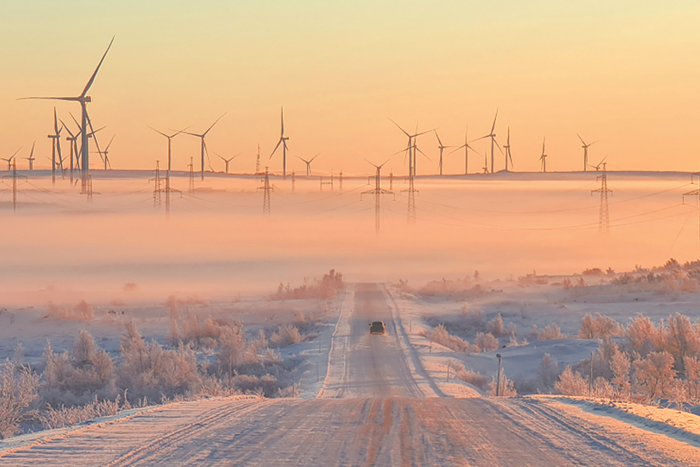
(267, 188)
(377, 192)
(191, 166)
(14, 178)
(340, 181)
(604, 213)
(695, 178)
(157, 189)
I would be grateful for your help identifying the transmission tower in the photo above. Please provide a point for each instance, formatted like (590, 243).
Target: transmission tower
(328, 183)
(157, 188)
(695, 178)
(267, 188)
(257, 162)
(340, 181)
(604, 214)
(377, 192)
(411, 190)
(14, 178)
(191, 166)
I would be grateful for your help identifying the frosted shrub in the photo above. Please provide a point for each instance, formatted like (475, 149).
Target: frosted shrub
(496, 327)
(599, 327)
(84, 370)
(692, 374)
(486, 342)
(471, 377)
(550, 333)
(682, 339)
(285, 335)
(66, 416)
(231, 349)
(18, 390)
(506, 388)
(654, 375)
(440, 336)
(620, 365)
(81, 312)
(571, 383)
(640, 334)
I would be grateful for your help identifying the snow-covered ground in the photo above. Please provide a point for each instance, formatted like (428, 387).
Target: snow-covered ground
(377, 406)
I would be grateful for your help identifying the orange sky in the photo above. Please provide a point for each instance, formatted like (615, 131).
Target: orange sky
(624, 73)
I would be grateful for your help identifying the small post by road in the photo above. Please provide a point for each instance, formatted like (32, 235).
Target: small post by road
(498, 378)
(590, 378)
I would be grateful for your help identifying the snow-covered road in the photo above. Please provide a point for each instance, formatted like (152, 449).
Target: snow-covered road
(376, 408)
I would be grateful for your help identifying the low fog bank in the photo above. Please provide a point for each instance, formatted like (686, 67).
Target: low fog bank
(216, 243)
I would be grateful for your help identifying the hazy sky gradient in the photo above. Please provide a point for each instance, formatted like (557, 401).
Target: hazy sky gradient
(623, 72)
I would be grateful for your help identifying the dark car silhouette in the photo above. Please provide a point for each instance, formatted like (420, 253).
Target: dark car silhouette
(377, 327)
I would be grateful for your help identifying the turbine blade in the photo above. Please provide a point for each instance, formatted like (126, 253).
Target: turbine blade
(215, 122)
(456, 149)
(312, 159)
(282, 120)
(493, 127)
(110, 142)
(278, 145)
(92, 78)
(399, 127)
(13, 155)
(31, 154)
(157, 131)
(582, 141)
(438, 138)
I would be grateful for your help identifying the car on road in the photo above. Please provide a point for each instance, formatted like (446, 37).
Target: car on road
(377, 327)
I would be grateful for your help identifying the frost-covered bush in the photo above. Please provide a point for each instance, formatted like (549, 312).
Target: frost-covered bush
(440, 336)
(571, 383)
(550, 333)
(83, 311)
(599, 327)
(65, 416)
(285, 335)
(18, 390)
(485, 342)
(654, 375)
(505, 389)
(471, 377)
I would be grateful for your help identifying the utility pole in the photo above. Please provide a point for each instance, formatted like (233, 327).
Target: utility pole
(340, 181)
(377, 192)
(391, 180)
(294, 179)
(604, 213)
(695, 178)
(498, 378)
(267, 188)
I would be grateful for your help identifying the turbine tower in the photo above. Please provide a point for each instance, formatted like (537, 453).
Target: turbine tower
(105, 153)
(204, 144)
(283, 141)
(441, 147)
(83, 99)
(72, 142)
(55, 145)
(466, 147)
(227, 161)
(585, 151)
(543, 158)
(308, 164)
(170, 137)
(508, 155)
(377, 192)
(411, 148)
(31, 157)
(492, 135)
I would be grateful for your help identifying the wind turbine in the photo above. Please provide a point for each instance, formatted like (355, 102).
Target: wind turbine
(492, 135)
(441, 147)
(83, 99)
(486, 162)
(283, 141)
(585, 151)
(55, 145)
(466, 147)
(104, 154)
(73, 142)
(31, 157)
(9, 159)
(204, 145)
(543, 157)
(308, 164)
(412, 148)
(506, 146)
(227, 161)
(170, 137)
(597, 167)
